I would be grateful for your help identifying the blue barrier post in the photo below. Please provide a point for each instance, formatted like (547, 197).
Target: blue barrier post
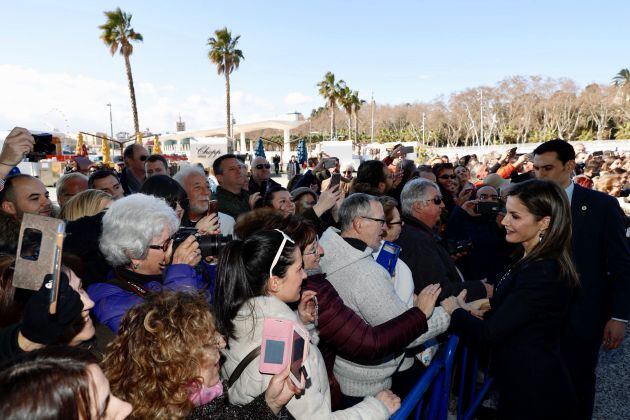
(416, 394)
(462, 381)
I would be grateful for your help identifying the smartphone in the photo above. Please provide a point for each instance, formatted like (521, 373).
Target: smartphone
(283, 343)
(407, 150)
(213, 206)
(513, 151)
(598, 153)
(330, 163)
(335, 179)
(39, 253)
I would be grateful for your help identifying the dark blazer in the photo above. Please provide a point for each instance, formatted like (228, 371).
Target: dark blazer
(430, 263)
(602, 259)
(523, 331)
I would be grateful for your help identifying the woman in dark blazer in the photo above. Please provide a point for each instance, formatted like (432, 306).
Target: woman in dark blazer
(529, 308)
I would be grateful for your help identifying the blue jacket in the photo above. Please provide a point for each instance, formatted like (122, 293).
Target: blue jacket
(111, 302)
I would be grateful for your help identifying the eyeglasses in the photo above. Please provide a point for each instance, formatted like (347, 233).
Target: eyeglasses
(400, 222)
(164, 246)
(447, 176)
(437, 200)
(285, 238)
(488, 196)
(381, 221)
(263, 165)
(143, 157)
(347, 172)
(313, 251)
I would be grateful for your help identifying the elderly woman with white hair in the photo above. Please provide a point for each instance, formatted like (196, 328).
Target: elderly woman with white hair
(137, 242)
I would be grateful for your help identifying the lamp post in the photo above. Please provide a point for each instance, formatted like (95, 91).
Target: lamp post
(111, 125)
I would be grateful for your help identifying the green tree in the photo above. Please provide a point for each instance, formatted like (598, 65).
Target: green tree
(330, 91)
(118, 35)
(622, 78)
(345, 102)
(227, 57)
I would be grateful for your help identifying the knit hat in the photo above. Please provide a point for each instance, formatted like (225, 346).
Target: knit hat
(496, 181)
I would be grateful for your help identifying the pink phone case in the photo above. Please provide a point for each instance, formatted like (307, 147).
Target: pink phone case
(276, 345)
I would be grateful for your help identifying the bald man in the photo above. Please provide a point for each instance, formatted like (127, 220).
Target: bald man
(25, 194)
(260, 180)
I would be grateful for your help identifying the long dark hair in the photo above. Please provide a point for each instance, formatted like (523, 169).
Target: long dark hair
(243, 273)
(542, 199)
(52, 383)
(165, 187)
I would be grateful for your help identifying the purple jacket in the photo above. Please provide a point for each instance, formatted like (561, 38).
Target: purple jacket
(111, 302)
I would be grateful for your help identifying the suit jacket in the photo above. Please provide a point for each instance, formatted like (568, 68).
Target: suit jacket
(523, 331)
(602, 259)
(430, 263)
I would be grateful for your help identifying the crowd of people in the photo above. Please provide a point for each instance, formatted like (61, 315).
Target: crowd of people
(167, 283)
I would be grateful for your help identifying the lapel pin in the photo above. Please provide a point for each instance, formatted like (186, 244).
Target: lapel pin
(583, 208)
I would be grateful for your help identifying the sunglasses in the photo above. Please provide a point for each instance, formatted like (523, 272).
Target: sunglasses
(285, 238)
(347, 172)
(400, 222)
(263, 165)
(447, 176)
(437, 200)
(164, 246)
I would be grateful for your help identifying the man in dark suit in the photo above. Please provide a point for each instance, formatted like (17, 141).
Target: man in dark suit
(600, 310)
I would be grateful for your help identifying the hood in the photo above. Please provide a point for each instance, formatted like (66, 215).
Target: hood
(339, 254)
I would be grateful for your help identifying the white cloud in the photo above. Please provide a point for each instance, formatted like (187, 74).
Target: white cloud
(425, 76)
(74, 102)
(297, 98)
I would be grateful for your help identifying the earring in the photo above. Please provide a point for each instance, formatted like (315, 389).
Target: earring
(135, 266)
(541, 235)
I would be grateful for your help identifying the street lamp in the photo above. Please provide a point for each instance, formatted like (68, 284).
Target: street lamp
(111, 125)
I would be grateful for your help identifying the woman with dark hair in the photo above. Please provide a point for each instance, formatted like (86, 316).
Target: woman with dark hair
(279, 198)
(341, 330)
(58, 383)
(163, 186)
(447, 181)
(178, 378)
(258, 278)
(529, 308)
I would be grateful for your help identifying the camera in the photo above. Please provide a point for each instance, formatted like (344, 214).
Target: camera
(457, 247)
(489, 208)
(209, 245)
(43, 146)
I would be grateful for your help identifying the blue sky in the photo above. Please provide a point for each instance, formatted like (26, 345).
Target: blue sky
(55, 71)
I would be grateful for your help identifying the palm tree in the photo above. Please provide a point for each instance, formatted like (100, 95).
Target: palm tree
(117, 32)
(357, 103)
(330, 90)
(622, 78)
(227, 57)
(345, 101)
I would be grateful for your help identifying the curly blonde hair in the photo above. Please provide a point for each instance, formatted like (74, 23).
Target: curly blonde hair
(161, 347)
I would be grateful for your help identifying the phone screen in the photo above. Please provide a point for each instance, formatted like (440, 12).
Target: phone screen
(297, 358)
(212, 206)
(274, 352)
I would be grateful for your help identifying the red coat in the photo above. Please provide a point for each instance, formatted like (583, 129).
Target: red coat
(343, 332)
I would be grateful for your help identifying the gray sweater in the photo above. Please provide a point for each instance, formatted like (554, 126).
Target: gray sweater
(367, 289)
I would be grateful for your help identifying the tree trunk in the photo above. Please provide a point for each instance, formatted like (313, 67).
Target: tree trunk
(132, 93)
(227, 104)
(356, 126)
(350, 127)
(332, 121)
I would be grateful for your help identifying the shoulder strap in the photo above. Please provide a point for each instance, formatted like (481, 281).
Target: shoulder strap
(241, 366)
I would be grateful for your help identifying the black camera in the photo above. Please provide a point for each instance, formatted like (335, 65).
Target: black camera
(43, 146)
(209, 245)
(488, 207)
(457, 247)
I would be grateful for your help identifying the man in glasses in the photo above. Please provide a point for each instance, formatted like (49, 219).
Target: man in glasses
(260, 180)
(132, 177)
(428, 260)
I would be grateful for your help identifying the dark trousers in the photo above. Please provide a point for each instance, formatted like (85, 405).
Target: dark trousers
(581, 358)
(403, 381)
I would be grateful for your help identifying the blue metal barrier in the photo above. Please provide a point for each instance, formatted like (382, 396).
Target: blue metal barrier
(437, 380)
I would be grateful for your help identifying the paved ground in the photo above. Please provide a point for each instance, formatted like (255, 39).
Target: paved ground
(612, 401)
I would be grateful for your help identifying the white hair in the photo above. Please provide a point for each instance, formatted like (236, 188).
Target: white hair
(185, 172)
(61, 183)
(131, 224)
(414, 191)
(355, 205)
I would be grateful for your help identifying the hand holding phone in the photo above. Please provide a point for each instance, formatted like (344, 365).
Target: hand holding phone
(284, 343)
